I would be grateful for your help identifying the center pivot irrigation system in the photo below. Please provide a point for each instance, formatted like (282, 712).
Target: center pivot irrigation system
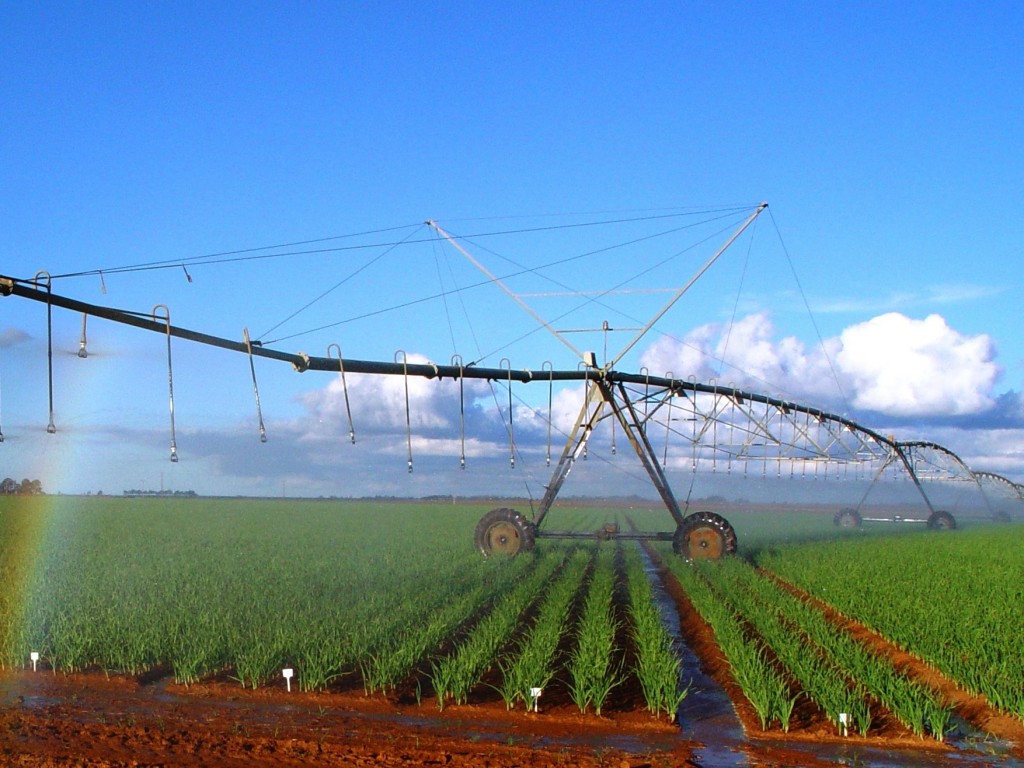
(724, 428)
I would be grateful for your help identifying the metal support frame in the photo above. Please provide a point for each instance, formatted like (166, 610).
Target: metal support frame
(617, 399)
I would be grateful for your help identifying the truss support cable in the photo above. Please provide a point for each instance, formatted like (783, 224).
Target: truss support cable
(497, 281)
(679, 294)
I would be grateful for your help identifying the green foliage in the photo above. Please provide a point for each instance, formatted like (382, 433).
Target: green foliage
(764, 685)
(953, 600)
(455, 675)
(533, 663)
(204, 586)
(592, 667)
(657, 663)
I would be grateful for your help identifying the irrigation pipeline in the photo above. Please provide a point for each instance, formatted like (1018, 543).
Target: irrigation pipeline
(301, 361)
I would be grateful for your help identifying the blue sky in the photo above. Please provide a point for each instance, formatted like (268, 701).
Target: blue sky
(885, 138)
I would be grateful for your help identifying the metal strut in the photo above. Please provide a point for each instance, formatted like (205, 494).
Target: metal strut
(617, 399)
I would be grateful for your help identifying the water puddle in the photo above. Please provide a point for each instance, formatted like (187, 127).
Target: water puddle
(13, 694)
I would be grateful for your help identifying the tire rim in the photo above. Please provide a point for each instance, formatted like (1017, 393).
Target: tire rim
(503, 537)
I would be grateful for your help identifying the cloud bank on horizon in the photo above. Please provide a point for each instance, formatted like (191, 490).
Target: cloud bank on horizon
(917, 378)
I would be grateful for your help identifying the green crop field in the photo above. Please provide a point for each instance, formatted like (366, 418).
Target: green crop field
(951, 599)
(393, 597)
(955, 601)
(375, 594)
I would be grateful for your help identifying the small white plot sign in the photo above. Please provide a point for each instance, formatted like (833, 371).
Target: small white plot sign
(535, 695)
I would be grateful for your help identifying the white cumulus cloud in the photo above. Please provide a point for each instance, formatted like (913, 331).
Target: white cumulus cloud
(892, 364)
(914, 367)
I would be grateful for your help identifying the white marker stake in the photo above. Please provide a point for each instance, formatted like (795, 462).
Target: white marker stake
(288, 674)
(843, 721)
(535, 695)
(35, 659)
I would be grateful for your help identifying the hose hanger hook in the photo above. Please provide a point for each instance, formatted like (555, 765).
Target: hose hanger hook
(647, 389)
(408, 421)
(255, 386)
(586, 403)
(1, 406)
(50, 427)
(668, 417)
(344, 389)
(170, 373)
(550, 369)
(457, 360)
(507, 365)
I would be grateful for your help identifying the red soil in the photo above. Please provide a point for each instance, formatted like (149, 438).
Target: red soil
(88, 720)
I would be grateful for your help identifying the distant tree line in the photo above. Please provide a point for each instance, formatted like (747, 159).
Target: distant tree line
(11, 487)
(140, 492)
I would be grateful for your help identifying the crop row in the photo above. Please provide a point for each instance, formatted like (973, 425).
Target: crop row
(658, 666)
(842, 676)
(808, 634)
(954, 601)
(765, 686)
(533, 663)
(455, 675)
(593, 668)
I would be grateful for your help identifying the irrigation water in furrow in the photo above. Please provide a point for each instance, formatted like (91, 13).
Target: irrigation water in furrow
(706, 714)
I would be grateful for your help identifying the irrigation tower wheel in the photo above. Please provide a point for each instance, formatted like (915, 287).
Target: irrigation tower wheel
(847, 518)
(941, 521)
(503, 531)
(704, 536)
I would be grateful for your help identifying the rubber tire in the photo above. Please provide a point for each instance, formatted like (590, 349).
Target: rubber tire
(941, 521)
(504, 531)
(847, 518)
(704, 536)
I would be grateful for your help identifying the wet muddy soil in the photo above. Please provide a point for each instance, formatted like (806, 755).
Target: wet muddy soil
(89, 720)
